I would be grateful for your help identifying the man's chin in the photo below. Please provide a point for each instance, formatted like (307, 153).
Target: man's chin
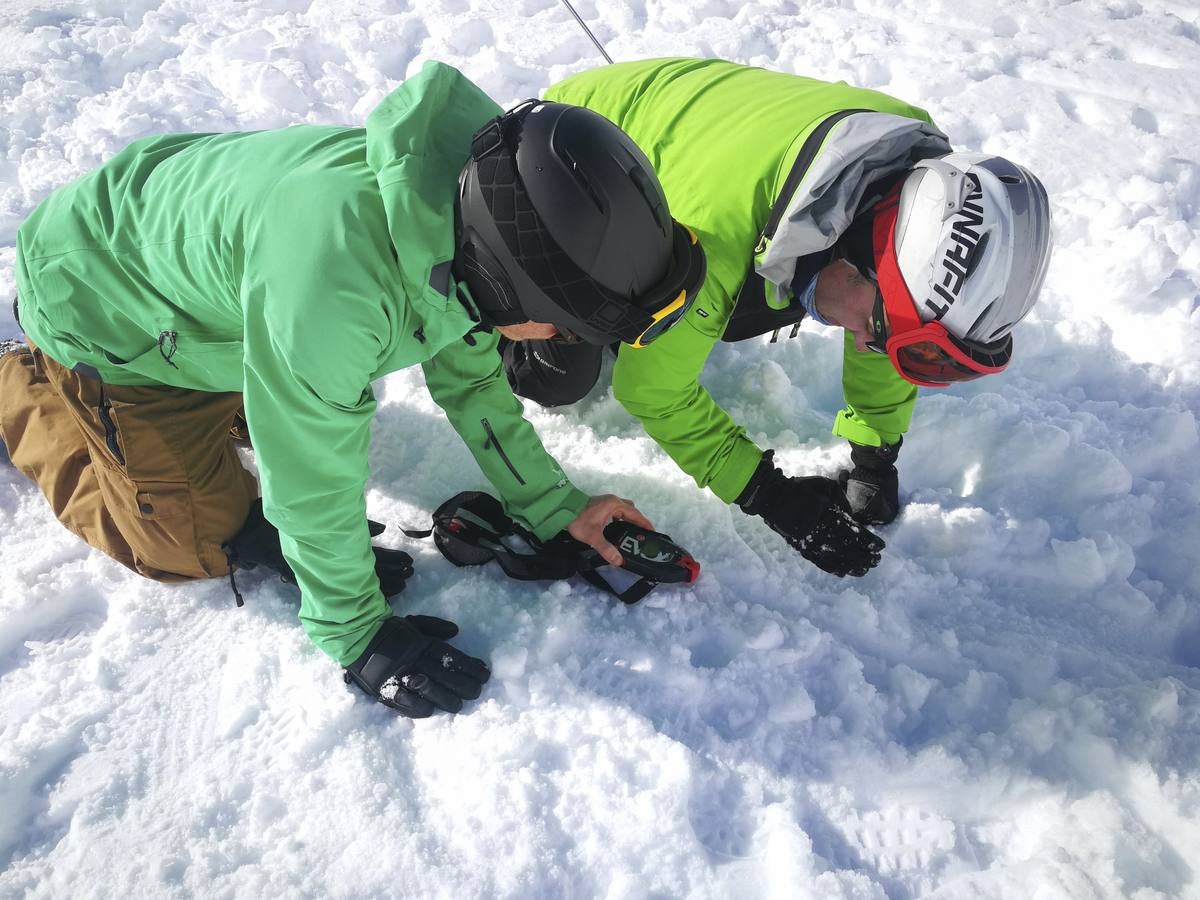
(528, 331)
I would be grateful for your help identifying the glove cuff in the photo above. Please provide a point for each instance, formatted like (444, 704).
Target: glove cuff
(388, 647)
(875, 459)
(754, 496)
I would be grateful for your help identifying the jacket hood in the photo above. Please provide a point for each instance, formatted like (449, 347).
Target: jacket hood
(859, 151)
(418, 140)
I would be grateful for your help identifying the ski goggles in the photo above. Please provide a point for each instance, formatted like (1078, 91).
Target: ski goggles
(924, 353)
(930, 356)
(689, 270)
(662, 320)
(642, 320)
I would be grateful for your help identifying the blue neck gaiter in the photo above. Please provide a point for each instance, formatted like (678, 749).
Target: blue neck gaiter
(808, 299)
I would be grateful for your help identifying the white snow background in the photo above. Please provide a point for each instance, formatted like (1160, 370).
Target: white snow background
(1008, 706)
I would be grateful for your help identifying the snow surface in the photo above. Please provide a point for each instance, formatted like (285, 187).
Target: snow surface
(1009, 706)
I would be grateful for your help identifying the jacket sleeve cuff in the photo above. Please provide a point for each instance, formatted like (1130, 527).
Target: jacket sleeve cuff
(732, 478)
(853, 428)
(346, 649)
(563, 516)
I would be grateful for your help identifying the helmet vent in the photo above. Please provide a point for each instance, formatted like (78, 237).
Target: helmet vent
(581, 178)
(995, 332)
(1010, 179)
(998, 333)
(977, 254)
(652, 196)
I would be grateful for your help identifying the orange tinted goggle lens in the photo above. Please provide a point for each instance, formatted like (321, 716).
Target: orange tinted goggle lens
(927, 361)
(935, 361)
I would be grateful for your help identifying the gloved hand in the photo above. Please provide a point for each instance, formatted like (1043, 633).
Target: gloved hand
(409, 666)
(393, 567)
(872, 486)
(257, 544)
(813, 516)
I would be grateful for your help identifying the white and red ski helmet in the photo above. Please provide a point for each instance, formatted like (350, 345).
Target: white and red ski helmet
(971, 238)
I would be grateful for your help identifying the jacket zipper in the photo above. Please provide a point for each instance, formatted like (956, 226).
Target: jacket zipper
(804, 160)
(110, 428)
(493, 441)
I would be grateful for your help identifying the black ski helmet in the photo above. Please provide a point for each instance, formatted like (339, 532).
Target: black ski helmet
(561, 219)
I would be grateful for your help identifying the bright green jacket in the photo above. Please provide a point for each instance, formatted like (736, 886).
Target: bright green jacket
(296, 266)
(723, 139)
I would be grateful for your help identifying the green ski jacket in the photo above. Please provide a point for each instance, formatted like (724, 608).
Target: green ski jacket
(732, 145)
(295, 266)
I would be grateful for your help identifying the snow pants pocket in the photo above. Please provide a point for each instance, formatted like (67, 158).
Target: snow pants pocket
(146, 474)
(157, 524)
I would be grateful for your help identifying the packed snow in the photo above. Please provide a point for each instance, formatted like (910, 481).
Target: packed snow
(1007, 707)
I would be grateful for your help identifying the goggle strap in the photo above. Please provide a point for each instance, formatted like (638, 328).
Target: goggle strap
(901, 310)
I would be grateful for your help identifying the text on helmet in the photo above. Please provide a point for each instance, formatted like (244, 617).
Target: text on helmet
(965, 237)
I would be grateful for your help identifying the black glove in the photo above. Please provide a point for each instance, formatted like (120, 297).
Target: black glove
(812, 515)
(873, 485)
(393, 567)
(257, 544)
(409, 666)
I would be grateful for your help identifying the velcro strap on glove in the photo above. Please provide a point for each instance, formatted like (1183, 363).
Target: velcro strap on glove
(875, 459)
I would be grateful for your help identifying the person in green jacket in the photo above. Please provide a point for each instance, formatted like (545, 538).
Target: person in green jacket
(821, 200)
(285, 271)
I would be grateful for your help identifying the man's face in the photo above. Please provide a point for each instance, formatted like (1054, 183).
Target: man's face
(846, 298)
(528, 331)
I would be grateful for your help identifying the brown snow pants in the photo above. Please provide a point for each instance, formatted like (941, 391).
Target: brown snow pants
(148, 475)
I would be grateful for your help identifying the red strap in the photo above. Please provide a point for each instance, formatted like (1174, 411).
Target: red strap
(901, 310)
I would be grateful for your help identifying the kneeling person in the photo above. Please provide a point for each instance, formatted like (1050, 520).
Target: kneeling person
(284, 271)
